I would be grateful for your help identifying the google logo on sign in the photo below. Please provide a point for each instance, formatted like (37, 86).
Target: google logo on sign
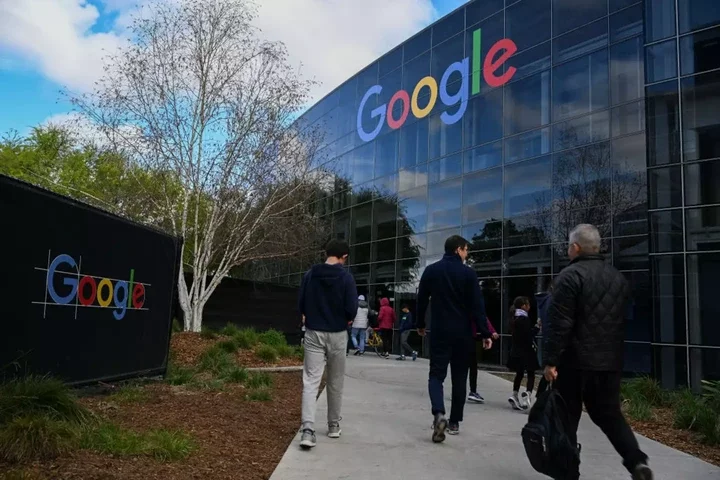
(88, 291)
(498, 54)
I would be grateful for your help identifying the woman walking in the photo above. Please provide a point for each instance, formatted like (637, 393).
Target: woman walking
(360, 325)
(386, 321)
(523, 353)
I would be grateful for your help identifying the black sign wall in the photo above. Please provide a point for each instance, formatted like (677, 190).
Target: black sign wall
(84, 295)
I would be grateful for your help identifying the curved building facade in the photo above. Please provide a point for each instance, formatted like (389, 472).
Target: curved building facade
(509, 122)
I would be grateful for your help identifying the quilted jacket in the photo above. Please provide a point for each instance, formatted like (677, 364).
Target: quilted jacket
(586, 327)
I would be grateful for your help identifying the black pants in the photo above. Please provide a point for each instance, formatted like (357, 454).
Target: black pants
(600, 392)
(452, 351)
(473, 367)
(518, 380)
(386, 336)
(542, 386)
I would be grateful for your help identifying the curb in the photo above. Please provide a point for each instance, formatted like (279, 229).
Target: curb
(276, 369)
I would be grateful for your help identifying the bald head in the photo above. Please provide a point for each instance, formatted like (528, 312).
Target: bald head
(584, 240)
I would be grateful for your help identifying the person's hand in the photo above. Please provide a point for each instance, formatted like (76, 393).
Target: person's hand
(550, 373)
(495, 336)
(487, 343)
(421, 332)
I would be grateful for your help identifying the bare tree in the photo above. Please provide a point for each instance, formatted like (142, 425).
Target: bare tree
(199, 95)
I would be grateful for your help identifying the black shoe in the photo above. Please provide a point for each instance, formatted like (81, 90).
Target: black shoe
(642, 472)
(439, 426)
(453, 428)
(357, 352)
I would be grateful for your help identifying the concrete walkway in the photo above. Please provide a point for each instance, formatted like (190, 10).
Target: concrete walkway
(386, 435)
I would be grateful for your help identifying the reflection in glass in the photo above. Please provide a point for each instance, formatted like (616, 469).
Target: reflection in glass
(565, 220)
(663, 123)
(704, 365)
(696, 14)
(414, 143)
(661, 61)
(528, 186)
(670, 366)
(629, 118)
(527, 230)
(436, 240)
(702, 226)
(360, 254)
(527, 103)
(701, 183)
(665, 187)
(362, 163)
(530, 61)
(631, 253)
(444, 139)
(418, 44)
(659, 19)
(638, 320)
(386, 154)
(668, 298)
(535, 260)
(492, 32)
(581, 131)
(413, 207)
(411, 246)
(581, 178)
(527, 145)
(445, 168)
(390, 61)
(580, 86)
(528, 23)
(483, 118)
(698, 52)
(384, 218)
(445, 204)
(480, 9)
(581, 41)
(482, 196)
(448, 26)
(484, 235)
(569, 14)
(384, 250)
(412, 177)
(480, 158)
(666, 231)
(361, 222)
(414, 70)
(626, 71)
(486, 263)
(626, 24)
(701, 116)
(446, 53)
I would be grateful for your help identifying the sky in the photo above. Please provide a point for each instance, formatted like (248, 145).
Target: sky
(47, 46)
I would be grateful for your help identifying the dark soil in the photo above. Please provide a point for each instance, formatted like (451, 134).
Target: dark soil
(235, 438)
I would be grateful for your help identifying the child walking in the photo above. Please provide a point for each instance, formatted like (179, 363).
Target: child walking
(523, 353)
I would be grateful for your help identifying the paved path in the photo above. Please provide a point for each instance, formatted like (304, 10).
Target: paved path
(386, 435)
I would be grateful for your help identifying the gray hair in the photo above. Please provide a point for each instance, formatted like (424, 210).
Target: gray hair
(587, 237)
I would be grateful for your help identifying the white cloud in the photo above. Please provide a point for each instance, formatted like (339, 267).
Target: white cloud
(334, 39)
(55, 36)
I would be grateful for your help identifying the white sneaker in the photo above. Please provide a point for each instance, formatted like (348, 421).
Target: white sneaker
(514, 402)
(308, 439)
(334, 430)
(524, 401)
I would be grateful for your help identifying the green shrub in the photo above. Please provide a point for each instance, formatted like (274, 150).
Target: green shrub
(235, 374)
(34, 395)
(273, 338)
(176, 327)
(259, 380)
(644, 389)
(178, 375)
(230, 329)
(210, 384)
(686, 409)
(285, 351)
(247, 338)
(300, 353)
(160, 444)
(34, 437)
(215, 359)
(208, 333)
(266, 353)
(130, 394)
(639, 409)
(708, 425)
(229, 346)
(259, 395)
(17, 474)
(711, 395)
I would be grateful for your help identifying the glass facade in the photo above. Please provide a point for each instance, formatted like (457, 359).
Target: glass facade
(509, 122)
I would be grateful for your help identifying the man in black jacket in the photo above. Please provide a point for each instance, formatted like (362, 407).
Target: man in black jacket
(584, 348)
(456, 301)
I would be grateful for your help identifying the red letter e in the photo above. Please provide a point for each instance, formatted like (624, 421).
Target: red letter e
(491, 64)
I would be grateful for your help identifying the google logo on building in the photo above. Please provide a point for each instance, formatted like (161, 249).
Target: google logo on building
(498, 54)
(89, 291)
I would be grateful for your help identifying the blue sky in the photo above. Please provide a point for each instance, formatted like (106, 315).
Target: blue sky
(49, 45)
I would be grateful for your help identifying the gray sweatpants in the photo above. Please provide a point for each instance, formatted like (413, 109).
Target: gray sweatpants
(320, 346)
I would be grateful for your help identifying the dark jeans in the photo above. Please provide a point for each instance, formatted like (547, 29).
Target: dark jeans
(451, 351)
(600, 392)
(386, 336)
(473, 364)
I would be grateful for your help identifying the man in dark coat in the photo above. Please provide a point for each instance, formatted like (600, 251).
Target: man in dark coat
(584, 348)
(456, 302)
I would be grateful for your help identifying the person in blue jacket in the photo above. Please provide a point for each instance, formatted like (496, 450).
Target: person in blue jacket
(456, 302)
(407, 325)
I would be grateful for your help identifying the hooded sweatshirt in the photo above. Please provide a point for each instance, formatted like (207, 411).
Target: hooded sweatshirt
(361, 319)
(386, 316)
(328, 298)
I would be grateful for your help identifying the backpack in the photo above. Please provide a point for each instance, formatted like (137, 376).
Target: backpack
(547, 445)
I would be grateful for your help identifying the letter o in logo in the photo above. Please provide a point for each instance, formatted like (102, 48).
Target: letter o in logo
(400, 95)
(433, 86)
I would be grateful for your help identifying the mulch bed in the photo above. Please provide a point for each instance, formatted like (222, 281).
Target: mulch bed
(661, 429)
(235, 438)
(188, 346)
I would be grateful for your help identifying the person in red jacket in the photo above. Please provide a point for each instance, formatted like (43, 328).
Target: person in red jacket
(386, 321)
